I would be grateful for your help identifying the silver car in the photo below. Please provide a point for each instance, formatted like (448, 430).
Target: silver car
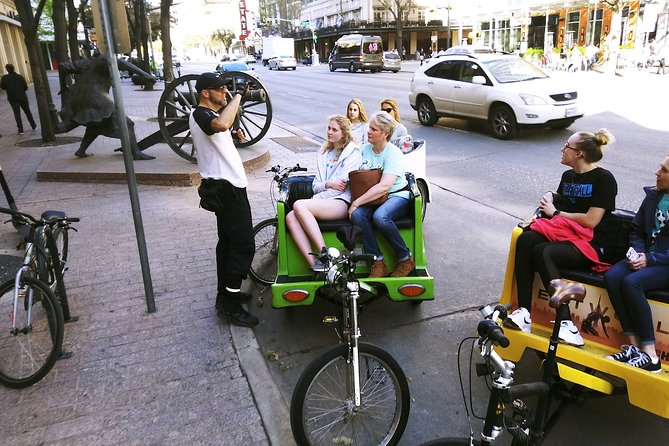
(392, 62)
(282, 63)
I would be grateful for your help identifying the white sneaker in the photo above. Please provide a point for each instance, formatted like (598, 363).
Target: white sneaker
(520, 320)
(569, 334)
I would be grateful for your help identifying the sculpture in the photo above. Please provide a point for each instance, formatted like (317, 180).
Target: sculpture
(87, 102)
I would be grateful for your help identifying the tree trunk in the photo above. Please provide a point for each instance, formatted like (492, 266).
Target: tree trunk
(24, 8)
(60, 30)
(613, 43)
(144, 33)
(168, 70)
(72, 20)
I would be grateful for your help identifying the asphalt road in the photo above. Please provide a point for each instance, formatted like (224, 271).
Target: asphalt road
(481, 187)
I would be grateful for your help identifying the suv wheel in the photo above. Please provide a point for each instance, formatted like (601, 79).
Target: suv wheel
(427, 115)
(332, 68)
(351, 68)
(502, 122)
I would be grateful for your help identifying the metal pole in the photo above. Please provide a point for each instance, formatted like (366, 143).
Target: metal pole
(594, 24)
(105, 14)
(448, 26)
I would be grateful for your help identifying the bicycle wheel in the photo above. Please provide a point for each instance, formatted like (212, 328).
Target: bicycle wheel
(322, 412)
(263, 267)
(28, 354)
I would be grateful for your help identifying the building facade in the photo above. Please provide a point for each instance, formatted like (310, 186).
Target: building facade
(431, 25)
(12, 46)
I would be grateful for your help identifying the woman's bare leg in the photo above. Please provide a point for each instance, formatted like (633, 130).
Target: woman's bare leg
(300, 237)
(308, 212)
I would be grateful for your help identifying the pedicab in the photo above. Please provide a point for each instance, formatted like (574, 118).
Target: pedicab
(587, 367)
(295, 283)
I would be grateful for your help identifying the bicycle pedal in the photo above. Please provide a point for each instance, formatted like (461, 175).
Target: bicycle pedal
(330, 320)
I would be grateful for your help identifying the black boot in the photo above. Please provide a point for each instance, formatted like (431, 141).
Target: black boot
(235, 314)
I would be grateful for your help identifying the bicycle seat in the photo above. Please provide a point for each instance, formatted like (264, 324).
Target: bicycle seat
(53, 215)
(563, 292)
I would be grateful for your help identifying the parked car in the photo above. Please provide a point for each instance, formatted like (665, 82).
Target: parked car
(392, 62)
(282, 63)
(236, 66)
(502, 89)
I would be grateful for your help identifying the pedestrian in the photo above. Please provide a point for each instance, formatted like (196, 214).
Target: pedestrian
(422, 56)
(16, 87)
(646, 268)
(574, 223)
(404, 53)
(661, 55)
(223, 191)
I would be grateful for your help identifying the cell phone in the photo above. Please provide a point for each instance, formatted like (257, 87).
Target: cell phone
(632, 255)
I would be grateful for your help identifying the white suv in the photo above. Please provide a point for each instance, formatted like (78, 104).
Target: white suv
(503, 89)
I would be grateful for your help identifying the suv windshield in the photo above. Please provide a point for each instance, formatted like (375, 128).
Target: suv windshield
(513, 69)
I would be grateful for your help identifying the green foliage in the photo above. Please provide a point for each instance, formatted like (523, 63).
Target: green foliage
(224, 36)
(538, 52)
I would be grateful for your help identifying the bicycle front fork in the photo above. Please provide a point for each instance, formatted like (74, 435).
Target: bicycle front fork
(22, 296)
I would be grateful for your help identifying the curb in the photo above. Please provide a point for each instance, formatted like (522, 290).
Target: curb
(274, 411)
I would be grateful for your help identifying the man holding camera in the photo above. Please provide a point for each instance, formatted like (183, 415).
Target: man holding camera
(223, 191)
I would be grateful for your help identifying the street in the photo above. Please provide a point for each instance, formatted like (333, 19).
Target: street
(481, 187)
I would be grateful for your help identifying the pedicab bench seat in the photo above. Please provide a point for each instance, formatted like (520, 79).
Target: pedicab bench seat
(293, 271)
(645, 390)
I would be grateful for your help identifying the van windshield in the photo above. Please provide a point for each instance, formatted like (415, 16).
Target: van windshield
(372, 47)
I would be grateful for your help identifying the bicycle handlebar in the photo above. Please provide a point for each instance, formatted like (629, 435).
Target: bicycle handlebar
(488, 329)
(34, 222)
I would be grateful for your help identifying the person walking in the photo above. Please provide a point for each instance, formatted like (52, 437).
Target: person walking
(16, 87)
(223, 191)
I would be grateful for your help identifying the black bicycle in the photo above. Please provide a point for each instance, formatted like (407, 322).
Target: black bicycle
(506, 410)
(263, 268)
(35, 301)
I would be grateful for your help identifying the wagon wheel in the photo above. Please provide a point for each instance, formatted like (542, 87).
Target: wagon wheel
(180, 97)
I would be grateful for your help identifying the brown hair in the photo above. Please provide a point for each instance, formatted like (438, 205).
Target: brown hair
(592, 144)
(362, 116)
(393, 105)
(345, 127)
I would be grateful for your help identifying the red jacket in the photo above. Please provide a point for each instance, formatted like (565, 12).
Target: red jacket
(559, 229)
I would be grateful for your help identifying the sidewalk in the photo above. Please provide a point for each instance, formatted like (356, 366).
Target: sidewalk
(178, 376)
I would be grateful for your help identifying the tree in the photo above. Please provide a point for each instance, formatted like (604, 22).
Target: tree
(397, 9)
(224, 36)
(29, 25)
(613, 38)
(60, 30)
(168, 70)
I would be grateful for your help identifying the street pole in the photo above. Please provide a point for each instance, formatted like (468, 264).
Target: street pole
(448, 26)
(105, 14)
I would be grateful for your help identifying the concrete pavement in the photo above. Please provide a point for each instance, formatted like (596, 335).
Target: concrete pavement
(178, 376)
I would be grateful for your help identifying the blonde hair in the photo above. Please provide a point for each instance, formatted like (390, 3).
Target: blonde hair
(394, 106)
(345, 127)
(384, 122)
(592, 144)
(362, 115)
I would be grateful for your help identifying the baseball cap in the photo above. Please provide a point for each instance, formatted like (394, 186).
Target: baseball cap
(209, 80)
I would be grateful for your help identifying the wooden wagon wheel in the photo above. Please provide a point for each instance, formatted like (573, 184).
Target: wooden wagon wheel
(180, 97)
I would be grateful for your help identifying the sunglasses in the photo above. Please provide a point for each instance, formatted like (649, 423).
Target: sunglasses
(387, 110)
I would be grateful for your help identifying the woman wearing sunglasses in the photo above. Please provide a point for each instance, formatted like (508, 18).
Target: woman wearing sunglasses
(390, 106)
(572, 228)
